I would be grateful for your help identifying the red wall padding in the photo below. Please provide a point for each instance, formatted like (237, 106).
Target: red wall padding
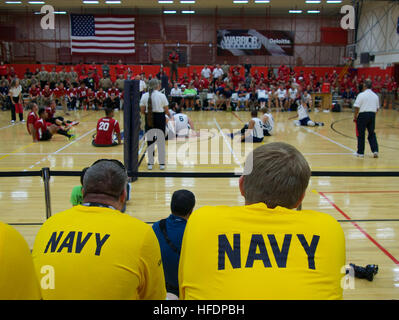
(153, 70)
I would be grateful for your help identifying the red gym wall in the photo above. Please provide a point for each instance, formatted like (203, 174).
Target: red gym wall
(317, 40)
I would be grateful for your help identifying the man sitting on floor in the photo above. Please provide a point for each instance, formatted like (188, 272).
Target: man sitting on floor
(106, 127)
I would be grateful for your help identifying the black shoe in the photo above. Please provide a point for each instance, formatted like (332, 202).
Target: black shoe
(365, 273)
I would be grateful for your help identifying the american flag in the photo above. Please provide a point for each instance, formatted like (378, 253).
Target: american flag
(102, 34)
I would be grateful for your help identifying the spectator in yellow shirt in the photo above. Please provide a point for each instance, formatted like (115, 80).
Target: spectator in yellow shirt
(265, 249)
(95, 251)
(18, 279)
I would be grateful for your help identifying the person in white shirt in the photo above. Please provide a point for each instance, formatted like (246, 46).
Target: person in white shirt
(252, 131)
(292, 95)
(217, 72)
(268, 122)
(154, 105)
(263, 96)
(366, 106)
(206, 72)
(307, 99)
(176, 93)
(15, 94)
(281, 98)
(182, 124)
(303, 116)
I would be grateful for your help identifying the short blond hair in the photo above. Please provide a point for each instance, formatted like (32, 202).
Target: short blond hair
(279, 177)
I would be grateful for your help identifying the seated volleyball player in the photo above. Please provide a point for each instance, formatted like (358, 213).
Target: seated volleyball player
(106, 128)
(182, 124)
(265, 249)
(169, 232)
(32, 118)
(252, 131)
(97, 252)
(51, 109)
(267, 121)
(303, 116)
(45, 130)
(18, 279)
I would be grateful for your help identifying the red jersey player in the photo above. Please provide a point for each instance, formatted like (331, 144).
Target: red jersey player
(106, 127)
(32, 118)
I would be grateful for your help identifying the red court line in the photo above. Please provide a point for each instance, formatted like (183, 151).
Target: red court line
(389, 191)
(361, 229)
(234, 114)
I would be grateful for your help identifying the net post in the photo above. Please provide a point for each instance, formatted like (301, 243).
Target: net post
(46, 181)
(131, 127)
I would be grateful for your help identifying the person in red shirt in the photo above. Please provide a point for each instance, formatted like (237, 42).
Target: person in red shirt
(72, 97)
(60, 95)
(34, 93)
(120, 68)
(113, 99)
(91, 97)
(51, 109)
(32, 118)
(106, 127)
(45, 130)
(174, 60)
(101, 96)
(46, 95)
(3, 70)
(81, 93)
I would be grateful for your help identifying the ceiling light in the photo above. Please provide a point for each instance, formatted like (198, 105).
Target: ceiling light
(90, 2)
(36, 2)
(313, 11)
(334, 1)
(188, 11)
(313, 1)
(295, 11)
(187, 1)
(13, 2)
(169, 11)
(165, 1)
(262, 1)
(113, 2)
(240, 1)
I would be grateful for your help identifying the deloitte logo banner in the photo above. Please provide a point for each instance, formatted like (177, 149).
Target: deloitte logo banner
(255, 42)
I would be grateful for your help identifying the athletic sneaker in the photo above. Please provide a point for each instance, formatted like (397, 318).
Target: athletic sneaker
(359, 155)
(22, 120)
(72, 137)
(326, 111)
(12, 121)
(375, 154)
(73, 123)
(149, 166)
(162, 167)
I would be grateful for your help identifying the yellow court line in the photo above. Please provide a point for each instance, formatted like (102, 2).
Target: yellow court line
(15, 151)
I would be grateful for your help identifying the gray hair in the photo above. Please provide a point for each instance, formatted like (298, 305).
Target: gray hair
(153, 84)
(279, 177)
(105, 177)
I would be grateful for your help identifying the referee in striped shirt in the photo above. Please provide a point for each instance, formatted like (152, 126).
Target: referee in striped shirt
(366, 107)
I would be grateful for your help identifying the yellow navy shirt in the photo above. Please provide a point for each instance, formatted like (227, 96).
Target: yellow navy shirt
(17, 274)
(253, 252)
(98, 253)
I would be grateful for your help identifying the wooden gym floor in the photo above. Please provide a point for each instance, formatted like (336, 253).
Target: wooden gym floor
(367, 208)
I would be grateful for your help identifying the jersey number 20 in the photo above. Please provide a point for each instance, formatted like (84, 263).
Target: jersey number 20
(104, 126)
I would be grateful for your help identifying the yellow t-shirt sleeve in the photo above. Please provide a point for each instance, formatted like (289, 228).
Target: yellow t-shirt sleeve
(152, 284)
(17, 274)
